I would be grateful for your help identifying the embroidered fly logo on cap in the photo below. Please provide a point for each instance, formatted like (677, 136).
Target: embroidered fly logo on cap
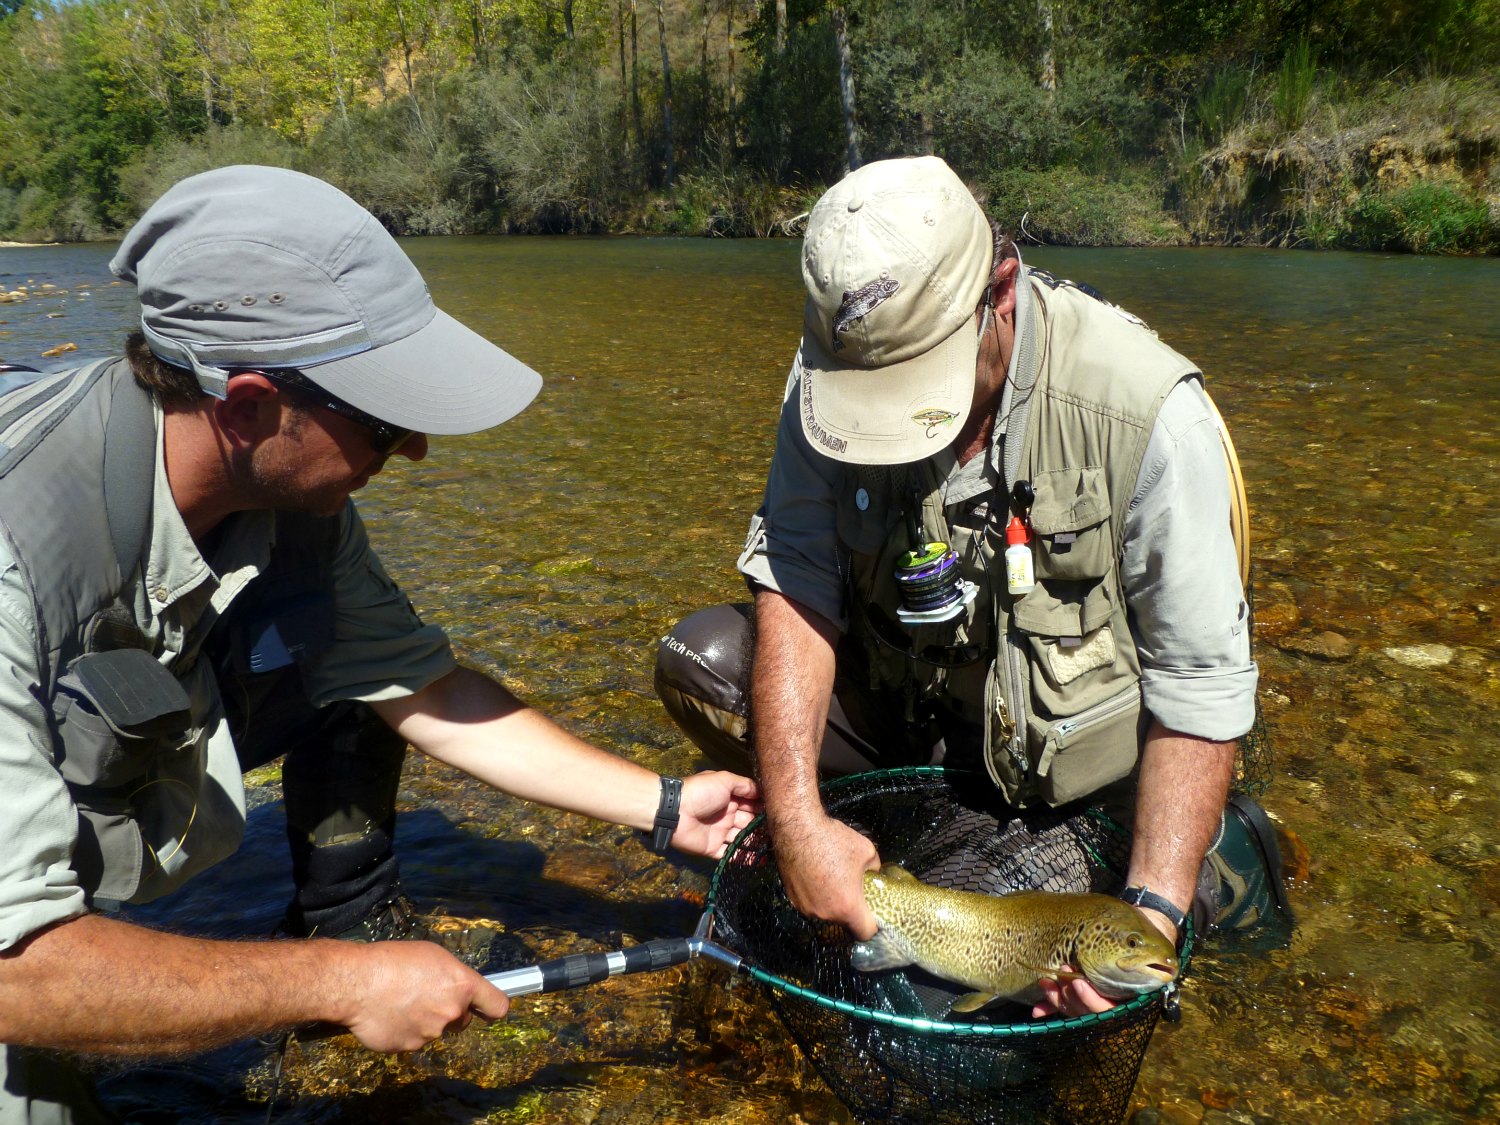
(860, 304)
(934, 420)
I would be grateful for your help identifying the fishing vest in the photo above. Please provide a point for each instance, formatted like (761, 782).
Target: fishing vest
(130, 724)
(1049, 680)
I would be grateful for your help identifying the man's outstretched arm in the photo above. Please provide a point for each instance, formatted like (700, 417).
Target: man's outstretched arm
(98, 985)
(473, 723)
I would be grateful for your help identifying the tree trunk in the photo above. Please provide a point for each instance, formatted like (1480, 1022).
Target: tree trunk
(729, 91)
(477, 33)
(624, 79)
(666, 92)
(1049, 61)
(846, 85)
(568, 19)
(780, 28)
(635, 77)
(331, 8)
(411, 87)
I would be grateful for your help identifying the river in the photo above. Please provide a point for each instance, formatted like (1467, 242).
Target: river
(1363, 393)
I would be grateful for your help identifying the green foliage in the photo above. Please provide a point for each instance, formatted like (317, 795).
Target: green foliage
(547, 137)
(1221, 105)
(1294, 86)
(1426, 218)
(67, 122)
(147, 175)
(792, 122)
(540, 114)
(403, 163)
(1067, 206)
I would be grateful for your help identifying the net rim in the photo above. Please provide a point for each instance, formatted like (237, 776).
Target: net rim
(924, 1026)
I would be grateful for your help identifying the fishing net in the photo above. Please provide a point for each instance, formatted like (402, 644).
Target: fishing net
(883, 1041)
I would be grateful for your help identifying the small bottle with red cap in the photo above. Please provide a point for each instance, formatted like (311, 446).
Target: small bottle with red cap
(1020, 574)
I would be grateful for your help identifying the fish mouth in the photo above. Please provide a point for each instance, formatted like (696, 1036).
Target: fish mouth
(1134, 981)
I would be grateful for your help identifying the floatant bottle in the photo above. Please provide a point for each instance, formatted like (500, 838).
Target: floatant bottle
(1020, 574)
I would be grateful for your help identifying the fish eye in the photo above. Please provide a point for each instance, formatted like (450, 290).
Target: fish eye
(1134, 941)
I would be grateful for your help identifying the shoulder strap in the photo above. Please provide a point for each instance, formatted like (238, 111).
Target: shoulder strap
(1239, 506)
(129, 445)
(129, 472)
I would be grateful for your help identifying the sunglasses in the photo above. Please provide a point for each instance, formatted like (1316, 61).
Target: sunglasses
(384, 437)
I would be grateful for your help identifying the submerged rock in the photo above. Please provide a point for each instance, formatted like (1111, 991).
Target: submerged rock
(1420, 656)
(1321, 646)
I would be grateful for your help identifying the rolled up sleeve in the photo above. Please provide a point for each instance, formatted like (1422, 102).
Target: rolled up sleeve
(793, 545)
(38, 821)
(381, 649)
(1181, 579)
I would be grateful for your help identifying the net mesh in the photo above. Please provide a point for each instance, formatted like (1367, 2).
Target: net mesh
(882, 1041)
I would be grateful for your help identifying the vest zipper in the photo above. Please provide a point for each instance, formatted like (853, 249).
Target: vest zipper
(1097, 713)
(1016, 687)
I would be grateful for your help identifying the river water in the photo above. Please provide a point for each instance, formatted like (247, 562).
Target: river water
(1363, 393)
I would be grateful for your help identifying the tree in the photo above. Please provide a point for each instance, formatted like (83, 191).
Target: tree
(846, 86)
(666, 96)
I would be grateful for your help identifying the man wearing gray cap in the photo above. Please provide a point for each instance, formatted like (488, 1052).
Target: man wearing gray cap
(186, 591)
(996, 534)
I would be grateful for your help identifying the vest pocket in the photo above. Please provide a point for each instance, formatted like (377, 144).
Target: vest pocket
(1088, 750)
(114, 712)
(109, 853)
(1070, 524)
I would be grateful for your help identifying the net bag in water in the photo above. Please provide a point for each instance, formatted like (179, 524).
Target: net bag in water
(884, 1042)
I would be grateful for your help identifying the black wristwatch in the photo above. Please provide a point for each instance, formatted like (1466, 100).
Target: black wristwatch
(1140, 896)
(667, 814)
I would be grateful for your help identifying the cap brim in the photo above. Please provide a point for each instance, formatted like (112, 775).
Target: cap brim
(889, 415)
(442, 379)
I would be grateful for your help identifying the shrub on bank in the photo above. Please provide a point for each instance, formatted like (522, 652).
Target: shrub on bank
(1425, 218)
(1069, 207)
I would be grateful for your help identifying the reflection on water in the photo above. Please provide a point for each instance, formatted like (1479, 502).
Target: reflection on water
(1364, 396)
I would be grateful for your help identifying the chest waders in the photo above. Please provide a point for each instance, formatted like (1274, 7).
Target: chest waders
(77, 455)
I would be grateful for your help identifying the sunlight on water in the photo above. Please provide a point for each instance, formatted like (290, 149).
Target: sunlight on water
(1364, 397)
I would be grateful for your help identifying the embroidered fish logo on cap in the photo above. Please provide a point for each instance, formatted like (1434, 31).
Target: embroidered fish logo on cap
(934, 420)
(860, 304)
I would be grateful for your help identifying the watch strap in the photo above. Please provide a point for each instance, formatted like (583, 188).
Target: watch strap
(1140, 896)
(668, 813)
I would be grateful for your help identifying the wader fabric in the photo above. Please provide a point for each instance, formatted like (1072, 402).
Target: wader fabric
(76, 471)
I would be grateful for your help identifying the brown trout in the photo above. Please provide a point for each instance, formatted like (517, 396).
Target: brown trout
(1002, 945)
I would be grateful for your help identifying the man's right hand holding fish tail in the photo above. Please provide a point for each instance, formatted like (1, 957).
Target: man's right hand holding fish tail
(822, 860)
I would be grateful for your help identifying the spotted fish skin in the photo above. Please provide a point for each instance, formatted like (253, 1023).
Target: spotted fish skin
(859, 304)
(1002, 946)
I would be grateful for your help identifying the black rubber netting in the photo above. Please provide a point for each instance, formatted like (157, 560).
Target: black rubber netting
(882, 1041)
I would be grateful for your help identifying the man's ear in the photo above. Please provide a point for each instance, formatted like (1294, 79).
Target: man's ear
(251, 410)
(1006, 270)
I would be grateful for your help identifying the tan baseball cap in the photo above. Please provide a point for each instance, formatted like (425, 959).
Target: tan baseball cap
(896, 258)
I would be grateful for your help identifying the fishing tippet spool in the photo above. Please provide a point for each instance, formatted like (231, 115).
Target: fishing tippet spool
(931, 585)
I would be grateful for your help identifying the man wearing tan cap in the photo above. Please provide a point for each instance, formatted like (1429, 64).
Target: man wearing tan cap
(995, 535)
(186, 591)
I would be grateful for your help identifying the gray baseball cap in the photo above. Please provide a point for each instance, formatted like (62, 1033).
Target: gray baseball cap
(257, 267)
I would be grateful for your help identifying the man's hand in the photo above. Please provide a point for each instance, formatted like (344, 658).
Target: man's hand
(716, 807)
(823, 863)
(405, 994)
